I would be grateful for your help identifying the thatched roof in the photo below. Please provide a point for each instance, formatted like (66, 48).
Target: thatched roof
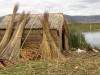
(56, 21)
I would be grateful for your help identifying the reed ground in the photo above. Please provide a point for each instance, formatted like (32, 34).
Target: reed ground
(76, 64)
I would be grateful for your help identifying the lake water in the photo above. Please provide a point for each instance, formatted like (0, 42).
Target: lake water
(93, 38)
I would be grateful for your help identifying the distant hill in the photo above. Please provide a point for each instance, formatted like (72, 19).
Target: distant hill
(83, 19)
(77, 19)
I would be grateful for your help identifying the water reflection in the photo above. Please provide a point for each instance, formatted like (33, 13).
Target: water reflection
(93, 38)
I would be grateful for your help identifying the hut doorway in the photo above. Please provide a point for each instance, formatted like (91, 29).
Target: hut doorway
(63, 40)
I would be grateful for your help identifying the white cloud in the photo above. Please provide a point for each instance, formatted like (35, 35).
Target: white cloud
(69, 7)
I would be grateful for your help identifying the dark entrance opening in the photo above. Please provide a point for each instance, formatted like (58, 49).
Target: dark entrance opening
(63, 40)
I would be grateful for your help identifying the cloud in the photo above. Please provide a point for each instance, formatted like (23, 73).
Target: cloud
(69, 7)
(91, 1)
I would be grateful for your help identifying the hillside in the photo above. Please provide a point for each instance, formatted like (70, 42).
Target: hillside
(83, 19)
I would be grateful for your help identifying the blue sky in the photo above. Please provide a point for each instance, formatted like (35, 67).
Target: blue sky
(69, 7)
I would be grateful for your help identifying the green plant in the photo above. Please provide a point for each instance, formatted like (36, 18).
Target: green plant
(77, 40)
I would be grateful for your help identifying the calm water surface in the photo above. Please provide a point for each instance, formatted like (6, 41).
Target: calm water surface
(93, 38)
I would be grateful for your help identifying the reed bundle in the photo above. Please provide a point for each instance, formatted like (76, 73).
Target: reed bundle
(48, 47)
(12, 51)
(9, 29)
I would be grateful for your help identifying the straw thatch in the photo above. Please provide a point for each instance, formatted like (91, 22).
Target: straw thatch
(56, 21)
(7, 34)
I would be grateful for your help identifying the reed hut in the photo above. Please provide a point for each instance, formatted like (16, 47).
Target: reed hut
(58, 29)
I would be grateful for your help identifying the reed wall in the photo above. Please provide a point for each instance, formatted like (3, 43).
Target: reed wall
(35, 36)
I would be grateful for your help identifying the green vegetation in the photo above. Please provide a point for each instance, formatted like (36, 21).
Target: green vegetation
(76, 40)
(84, 27)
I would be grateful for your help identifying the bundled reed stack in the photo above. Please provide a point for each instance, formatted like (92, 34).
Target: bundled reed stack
(9, 29)
(17, 26)
(48, 47)
(12, 51)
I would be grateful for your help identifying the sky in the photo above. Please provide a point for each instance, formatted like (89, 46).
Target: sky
(68, 7)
